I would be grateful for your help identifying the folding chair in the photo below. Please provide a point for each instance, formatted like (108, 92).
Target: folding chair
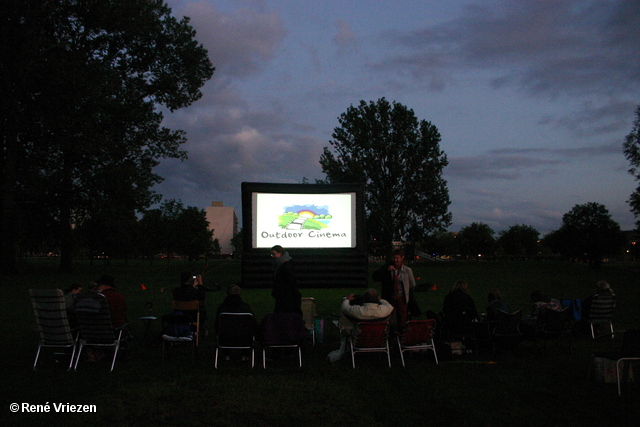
(417, 335)
(629, 352)
(601, 313)
(309, 316)
(555, 326)
(51, 317)
(171, 325)
(236, 331)
(96, 329)
(282, 330)
(507, 328)
(369, 337)
(192, 309)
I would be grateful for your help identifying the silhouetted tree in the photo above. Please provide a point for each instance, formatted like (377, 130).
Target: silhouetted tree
(398, 159)
(632, 153)
(476, 239)
(587, 233)
(81, 84)
(519, 240)
(173, 229)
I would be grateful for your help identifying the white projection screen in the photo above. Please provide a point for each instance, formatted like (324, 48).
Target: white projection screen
(304, 220)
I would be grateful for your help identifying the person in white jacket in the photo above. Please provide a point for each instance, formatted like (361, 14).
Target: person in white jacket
(372, 308)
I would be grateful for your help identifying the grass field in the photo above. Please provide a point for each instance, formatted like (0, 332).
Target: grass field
(532, 387)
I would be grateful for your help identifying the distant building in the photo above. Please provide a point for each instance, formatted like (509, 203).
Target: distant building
(224, 223)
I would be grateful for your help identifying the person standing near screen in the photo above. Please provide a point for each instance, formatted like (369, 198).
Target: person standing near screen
(398, 284)
(285, 288)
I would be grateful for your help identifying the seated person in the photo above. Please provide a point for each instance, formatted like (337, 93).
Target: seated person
(495, 303)
(372, 308)
(538, 301)
(192, 289)
(233, 304)
(70, 303)
(602, 290)
(459, 309)
(117, 303)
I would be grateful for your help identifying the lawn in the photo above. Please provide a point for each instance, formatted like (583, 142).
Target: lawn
(532, 387)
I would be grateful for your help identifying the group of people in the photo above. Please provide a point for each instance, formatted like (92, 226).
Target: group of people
(106, 286)
(396, 301)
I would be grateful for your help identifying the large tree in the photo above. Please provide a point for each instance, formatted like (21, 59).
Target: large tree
(398, 158)
(173, 228)
(519, 240)
(476, 240)
(83, 82)
(588, 233)
(632, 153)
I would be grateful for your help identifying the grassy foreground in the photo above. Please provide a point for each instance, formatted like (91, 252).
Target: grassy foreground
(532, 387)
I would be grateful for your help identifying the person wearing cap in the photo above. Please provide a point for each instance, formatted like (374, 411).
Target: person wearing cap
(117, 303)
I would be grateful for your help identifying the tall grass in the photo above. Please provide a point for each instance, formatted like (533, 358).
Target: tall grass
(531, 387)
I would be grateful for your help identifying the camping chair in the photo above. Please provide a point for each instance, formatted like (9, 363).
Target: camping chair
(417, 335)
(483, 335)
(236, 331)
(629, 352)
(309, 316)
(555, 326)
(96, 329)
(458, 326)
(191, 308)
(51, 317)
(369, 337)
(601, 313)
(177, 330)
(282, 330)
(507, 328)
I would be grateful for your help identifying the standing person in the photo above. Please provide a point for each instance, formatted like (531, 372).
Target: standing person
(398, 284)
(285, 288)
(117, 303)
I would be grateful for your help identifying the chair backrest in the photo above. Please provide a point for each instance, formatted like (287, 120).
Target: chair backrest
(459, 322)
(370, 334)
(508, 324)
(555, 322)
(417, 332)
(185, 305)
(282, 329)
(602, 307)
(92, 310)
(51, 316)
(308, 306)
(236, 328)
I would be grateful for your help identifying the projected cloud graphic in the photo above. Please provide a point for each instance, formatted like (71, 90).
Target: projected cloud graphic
(305, 217)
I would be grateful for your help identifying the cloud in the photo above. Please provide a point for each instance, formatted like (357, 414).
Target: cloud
(345, 39)
(595, 119)
(239, 43)
(546, 47)
(514, 163)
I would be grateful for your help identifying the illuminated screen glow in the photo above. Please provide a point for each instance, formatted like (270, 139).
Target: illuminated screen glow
(304, 220)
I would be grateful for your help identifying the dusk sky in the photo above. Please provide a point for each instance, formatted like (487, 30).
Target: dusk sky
(533, 98)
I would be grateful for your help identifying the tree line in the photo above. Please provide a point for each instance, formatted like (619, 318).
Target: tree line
(168, 231)
(587, 234)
